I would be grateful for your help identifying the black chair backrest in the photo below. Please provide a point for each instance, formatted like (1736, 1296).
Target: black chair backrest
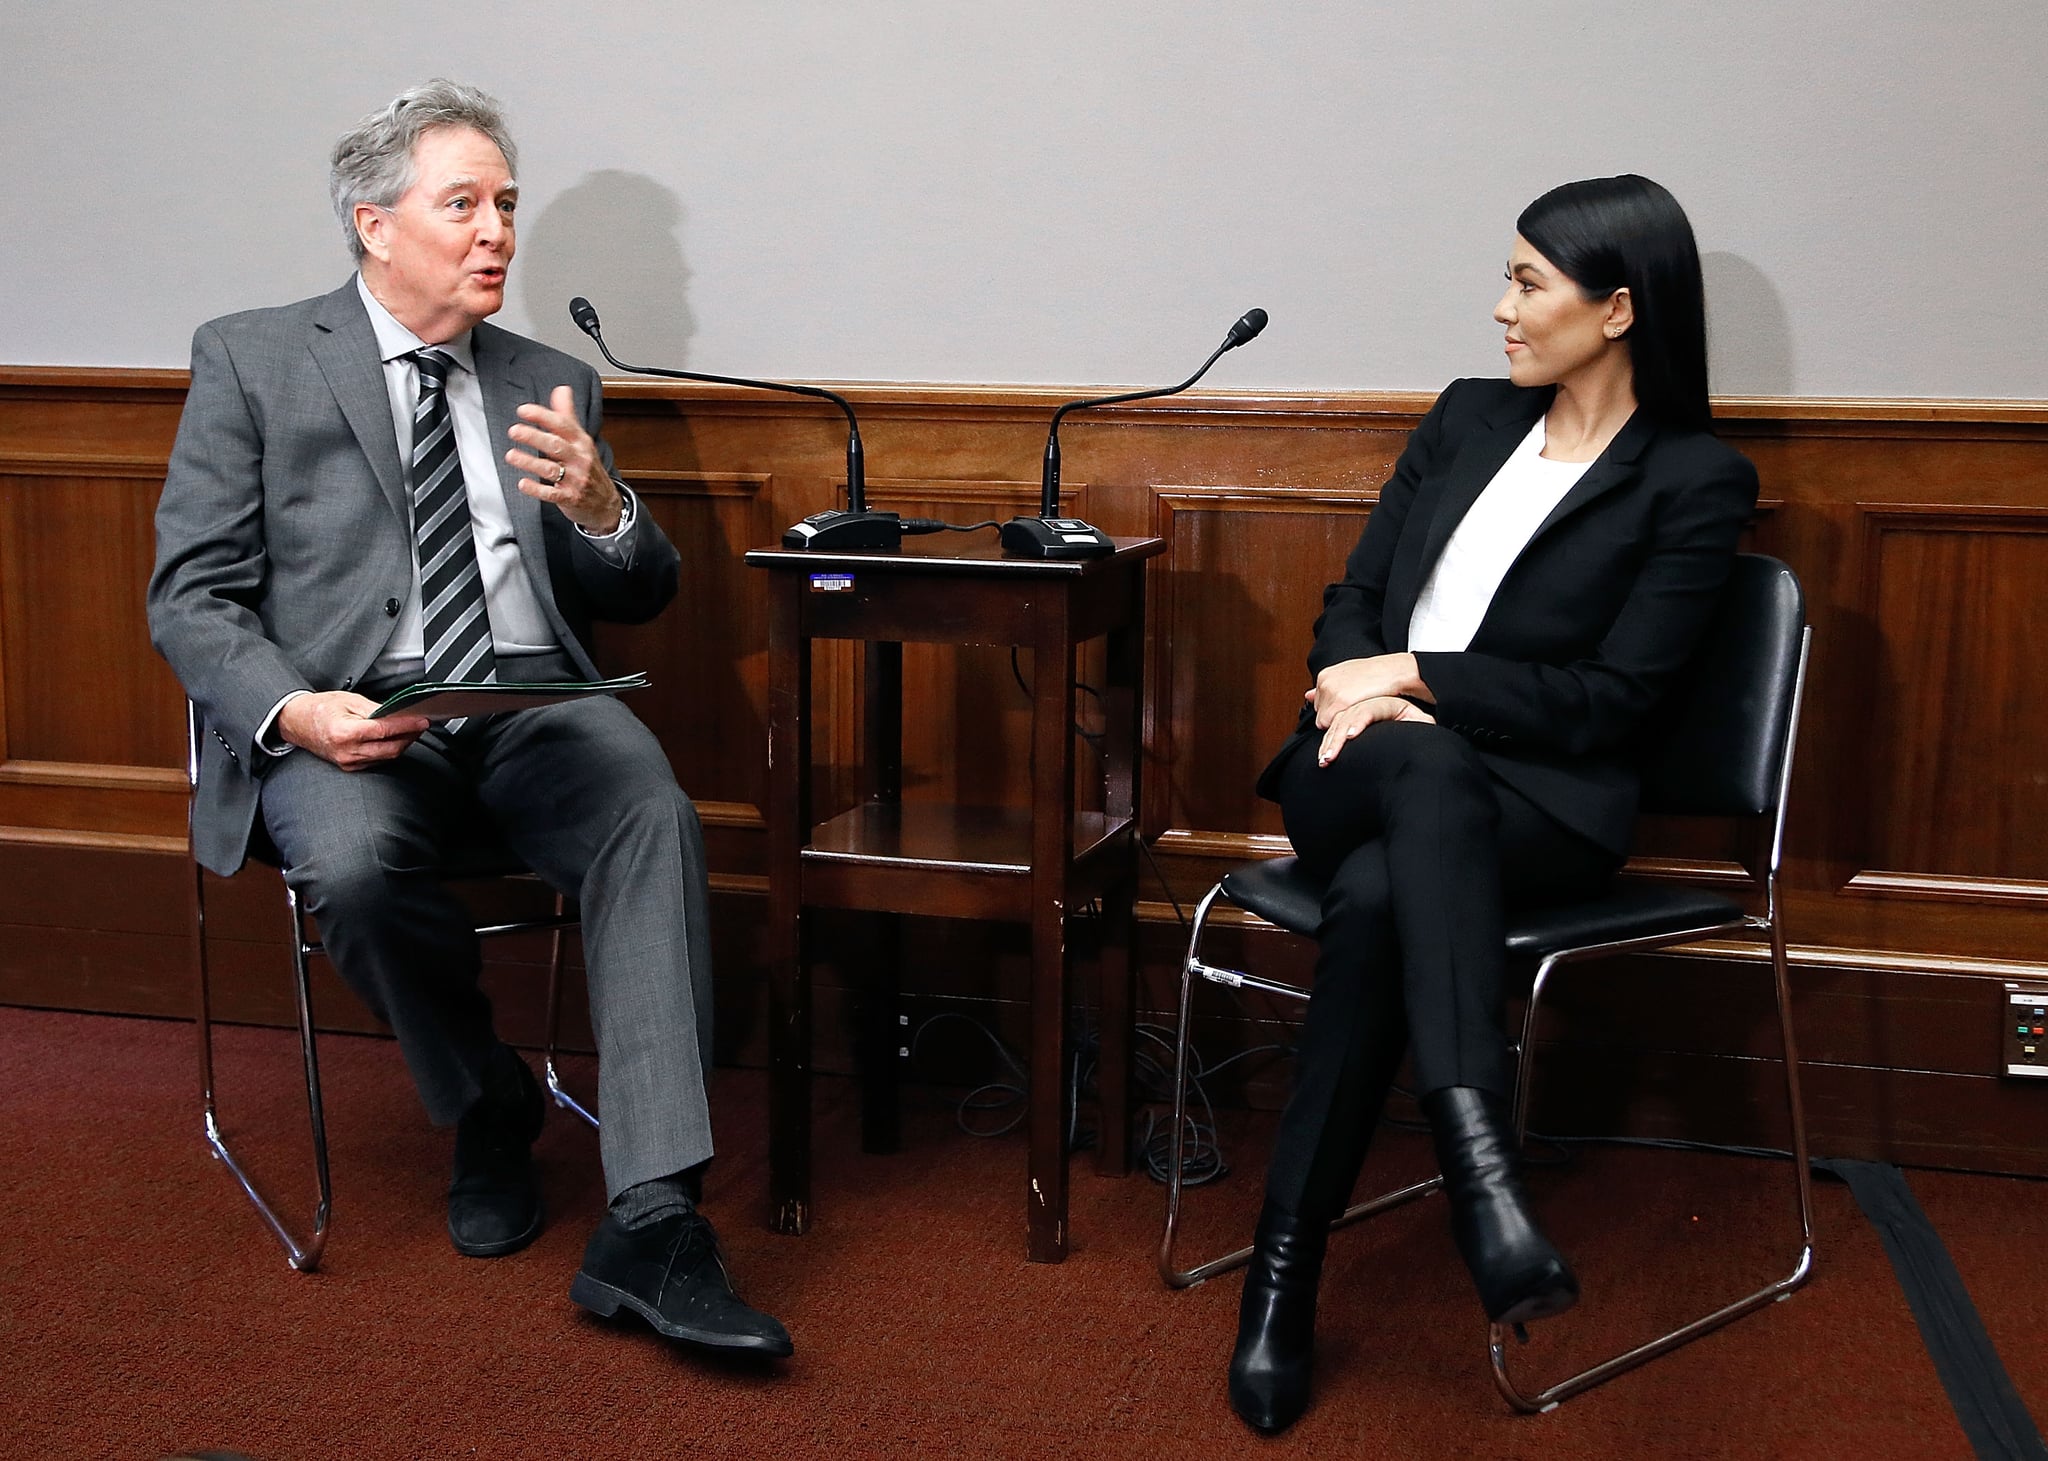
(1715, 746)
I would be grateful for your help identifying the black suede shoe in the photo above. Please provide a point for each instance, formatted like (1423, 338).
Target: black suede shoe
(494, 1199)
(670, 1273)
(1276, 1321)
(1520, 1275)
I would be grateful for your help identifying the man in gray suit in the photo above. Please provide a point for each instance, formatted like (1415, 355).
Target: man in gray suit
(337, 523)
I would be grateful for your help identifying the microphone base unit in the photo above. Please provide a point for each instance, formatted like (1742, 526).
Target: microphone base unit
(1054, 537)
(842, 530)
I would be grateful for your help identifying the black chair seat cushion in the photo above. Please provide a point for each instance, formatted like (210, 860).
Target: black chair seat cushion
(1628, 910)
(1279, 891)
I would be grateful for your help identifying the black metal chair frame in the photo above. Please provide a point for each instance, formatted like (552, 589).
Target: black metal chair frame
(1638, 919)
(304, 1253)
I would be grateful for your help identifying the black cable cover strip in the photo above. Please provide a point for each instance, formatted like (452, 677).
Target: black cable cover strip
(1993, 1416)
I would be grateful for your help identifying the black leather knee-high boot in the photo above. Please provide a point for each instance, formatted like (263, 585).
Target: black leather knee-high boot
(1276, 1320)
(1520, 1275)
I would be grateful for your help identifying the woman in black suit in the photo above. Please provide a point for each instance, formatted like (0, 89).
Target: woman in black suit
(1533, 576)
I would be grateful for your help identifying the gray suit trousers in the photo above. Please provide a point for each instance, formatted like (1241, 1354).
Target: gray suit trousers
(583, 794)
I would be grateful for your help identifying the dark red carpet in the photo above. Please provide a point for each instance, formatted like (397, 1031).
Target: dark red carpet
(144, 1311)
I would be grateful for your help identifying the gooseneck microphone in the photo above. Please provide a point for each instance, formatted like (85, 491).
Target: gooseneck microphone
(851, 528)
(1051, 536)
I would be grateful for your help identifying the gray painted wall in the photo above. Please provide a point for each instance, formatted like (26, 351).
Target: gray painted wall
(1068, 190)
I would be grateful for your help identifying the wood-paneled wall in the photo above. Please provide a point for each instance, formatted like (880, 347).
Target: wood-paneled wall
(1917, 870)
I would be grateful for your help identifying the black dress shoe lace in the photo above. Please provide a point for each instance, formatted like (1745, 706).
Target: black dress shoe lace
(692, 1246)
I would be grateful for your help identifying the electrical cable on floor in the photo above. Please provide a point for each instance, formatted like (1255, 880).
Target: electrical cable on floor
(1202, 1159)
(1001, 1095)
(991, 1095)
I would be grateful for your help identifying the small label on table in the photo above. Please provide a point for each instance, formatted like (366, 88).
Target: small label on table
(831, 583)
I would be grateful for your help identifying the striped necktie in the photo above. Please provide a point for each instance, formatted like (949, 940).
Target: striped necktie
(454, 625)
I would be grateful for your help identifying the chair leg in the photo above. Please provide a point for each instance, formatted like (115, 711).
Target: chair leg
(304, 1255)
(1192, 966)
(553, 1076)
(1175, 1277)
(1550, 1397)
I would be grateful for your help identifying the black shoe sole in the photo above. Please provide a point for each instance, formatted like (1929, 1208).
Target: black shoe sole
(605, 1301)
(1538, 1306)
(1556, 1295)
(502, 1246)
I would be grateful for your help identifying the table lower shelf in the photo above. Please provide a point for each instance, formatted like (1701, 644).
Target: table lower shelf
(952, 861)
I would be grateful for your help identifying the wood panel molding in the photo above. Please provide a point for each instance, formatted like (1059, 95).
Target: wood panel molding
(666, 482)
(744, 815)
(1956, 815)
(81, 773)
(2022, 892)
(1236, 846)
(92, 841)
(73, 465)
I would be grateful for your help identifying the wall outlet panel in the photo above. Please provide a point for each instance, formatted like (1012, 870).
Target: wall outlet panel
(2026, 1030)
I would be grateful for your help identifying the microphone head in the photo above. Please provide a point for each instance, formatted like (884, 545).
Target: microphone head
(584, 313)
(1247, 328)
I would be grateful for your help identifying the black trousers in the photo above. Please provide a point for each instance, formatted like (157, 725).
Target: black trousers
(1425, 850)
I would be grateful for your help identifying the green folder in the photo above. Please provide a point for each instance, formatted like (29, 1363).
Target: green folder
(453, 700)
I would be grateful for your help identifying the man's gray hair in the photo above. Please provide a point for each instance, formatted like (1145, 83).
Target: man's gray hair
(373, 160)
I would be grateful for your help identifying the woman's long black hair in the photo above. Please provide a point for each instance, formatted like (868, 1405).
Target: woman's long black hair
(1629, 233)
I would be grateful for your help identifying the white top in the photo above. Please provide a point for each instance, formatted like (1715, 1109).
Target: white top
(1486, 543)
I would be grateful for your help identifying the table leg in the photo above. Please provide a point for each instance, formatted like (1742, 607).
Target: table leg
(1052, 848)
(1118, 965)
(789, 968)
(1046, 1196)
(879, 1035)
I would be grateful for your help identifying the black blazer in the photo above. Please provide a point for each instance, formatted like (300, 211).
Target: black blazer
(1593, 620)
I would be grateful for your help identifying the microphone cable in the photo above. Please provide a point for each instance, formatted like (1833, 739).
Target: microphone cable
(918, 526)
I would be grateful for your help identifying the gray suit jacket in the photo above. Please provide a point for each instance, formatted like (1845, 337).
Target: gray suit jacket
(283, 551)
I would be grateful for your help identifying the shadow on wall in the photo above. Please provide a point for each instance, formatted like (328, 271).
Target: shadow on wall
(615, 238)
(1749, 339)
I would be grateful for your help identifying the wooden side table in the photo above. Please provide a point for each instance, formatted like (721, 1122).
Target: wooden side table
(1034, 866)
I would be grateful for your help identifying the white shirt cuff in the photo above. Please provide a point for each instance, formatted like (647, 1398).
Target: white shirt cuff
(266, 733)
(613, 543)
